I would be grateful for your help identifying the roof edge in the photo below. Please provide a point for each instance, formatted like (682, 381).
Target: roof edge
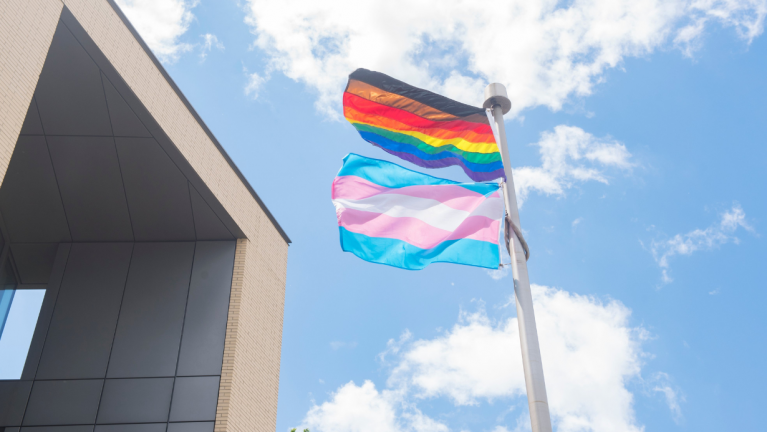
(198, 118)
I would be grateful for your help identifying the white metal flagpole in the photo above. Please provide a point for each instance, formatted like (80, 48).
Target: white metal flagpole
(497, 100)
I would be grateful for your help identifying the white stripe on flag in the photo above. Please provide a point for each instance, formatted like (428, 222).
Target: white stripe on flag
(429, 211)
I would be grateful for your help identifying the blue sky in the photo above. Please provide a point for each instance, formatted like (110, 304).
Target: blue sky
(638, 138)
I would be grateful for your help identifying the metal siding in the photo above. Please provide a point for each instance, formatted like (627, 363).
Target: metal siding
(143, 400)
(91, 187)
(84, 319)
(202, 345)
(63, 402)
(149, 331)
(13, 401)
(194, 399)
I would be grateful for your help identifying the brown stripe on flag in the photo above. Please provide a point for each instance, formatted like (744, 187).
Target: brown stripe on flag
(383, 97)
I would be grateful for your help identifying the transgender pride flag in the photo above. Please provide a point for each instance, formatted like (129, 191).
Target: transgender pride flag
(391, 215)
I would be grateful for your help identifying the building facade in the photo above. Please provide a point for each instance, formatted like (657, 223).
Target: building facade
(142, 280)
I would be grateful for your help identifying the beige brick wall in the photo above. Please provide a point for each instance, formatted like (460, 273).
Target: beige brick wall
(26, 31)
(250, 374)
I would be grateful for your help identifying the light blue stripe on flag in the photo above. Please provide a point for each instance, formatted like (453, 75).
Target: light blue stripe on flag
(391, 175)
(398, 253)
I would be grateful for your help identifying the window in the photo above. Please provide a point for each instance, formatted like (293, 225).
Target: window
(19, 310)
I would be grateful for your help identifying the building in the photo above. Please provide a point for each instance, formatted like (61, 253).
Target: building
(143, 279)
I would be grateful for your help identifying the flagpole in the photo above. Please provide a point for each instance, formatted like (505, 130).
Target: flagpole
(497, 99)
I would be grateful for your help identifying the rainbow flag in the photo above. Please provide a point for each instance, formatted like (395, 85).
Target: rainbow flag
(391, 215)
(421, 127)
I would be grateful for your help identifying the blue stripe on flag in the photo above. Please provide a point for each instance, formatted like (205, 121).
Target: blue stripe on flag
(398, 253)
(391, 175)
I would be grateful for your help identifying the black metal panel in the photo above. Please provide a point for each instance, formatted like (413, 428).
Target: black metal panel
(32, 125)
(194, 399)
(158, 196)
(29, 196)
(11, 429)
(63, 402)
(143, 400)
(124, 121)
(46, 312)
(157, 132)
(91, 186)
(69, 93)
(83, 324)
(202, 345)
(13, 400)
(149, 332)
(34, 261)
(146, 427)
(191, 427)
(80, 428)
(206, 224)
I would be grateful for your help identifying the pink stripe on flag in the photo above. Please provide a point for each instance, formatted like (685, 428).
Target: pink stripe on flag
(453, 196)
(415, 231)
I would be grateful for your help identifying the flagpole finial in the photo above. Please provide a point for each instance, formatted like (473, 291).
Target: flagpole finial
(495, 94)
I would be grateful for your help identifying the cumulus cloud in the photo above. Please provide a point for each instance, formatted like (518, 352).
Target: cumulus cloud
(747, 17)
(590, 355)
(711, 238)
(161, 23)
(354, 408)
(209, 41)
(569, 155)
(544, 51)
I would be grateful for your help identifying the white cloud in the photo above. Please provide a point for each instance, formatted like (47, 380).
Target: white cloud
(710, 238)
(255, 82)
(577, 222)
(590, 354)
(161, 23)
(672, 396)
(499, 273)
(544, 51)
(746, 16)
(354, 408)
(209, 41)
(569, 155)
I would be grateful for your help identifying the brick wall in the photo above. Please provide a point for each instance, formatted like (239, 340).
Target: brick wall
(26, 31)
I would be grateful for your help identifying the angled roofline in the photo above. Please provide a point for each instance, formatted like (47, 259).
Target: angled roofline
(198, 118)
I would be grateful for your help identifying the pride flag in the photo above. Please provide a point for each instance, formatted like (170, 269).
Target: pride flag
(421, 127)
(391, 215)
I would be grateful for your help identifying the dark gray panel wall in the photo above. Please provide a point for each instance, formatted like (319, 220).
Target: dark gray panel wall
(148, 427)
(158, 213)
(194, 399)
(57, 429)
(149, 331)
(63, 402)
(124, 121)
(135, 400)
(202, 346)
(34, 261)
(83, 323)
(91, 187)
(191, 427)
(29, 196)
(206, 224)
(32, 125)
(69, 93)
(13, 401)
(130, 305)
(46, 312)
